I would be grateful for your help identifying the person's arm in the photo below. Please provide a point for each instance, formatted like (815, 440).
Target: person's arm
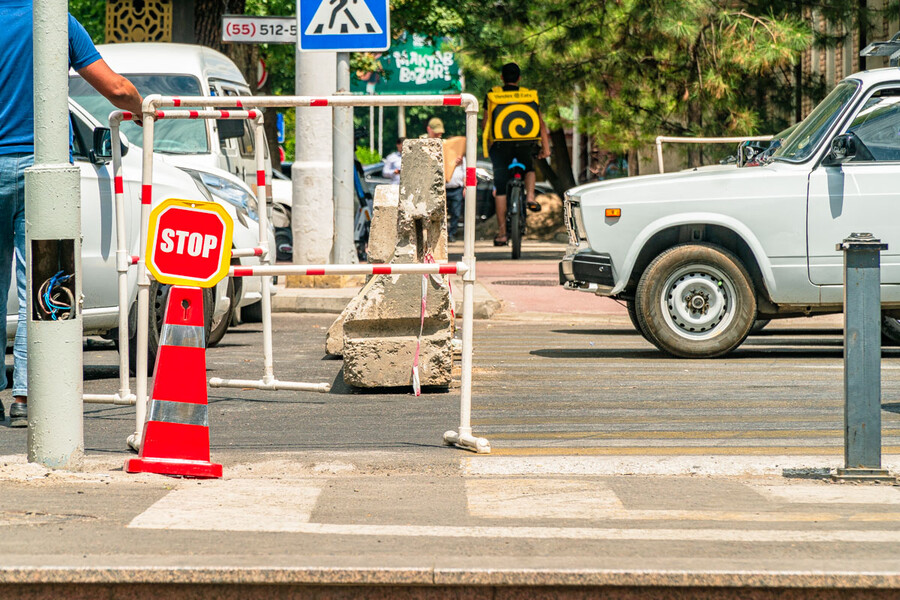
(545, 141)
(115, 88)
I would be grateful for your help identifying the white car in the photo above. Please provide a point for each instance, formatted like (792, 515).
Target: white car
(699, 255)
(98, 248)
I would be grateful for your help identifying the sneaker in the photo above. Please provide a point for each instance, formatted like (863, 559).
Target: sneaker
(18, 414)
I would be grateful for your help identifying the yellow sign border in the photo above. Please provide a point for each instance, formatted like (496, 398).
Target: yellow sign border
(194, 205)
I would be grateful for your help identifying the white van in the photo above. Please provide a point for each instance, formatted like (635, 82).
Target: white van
(205, 145)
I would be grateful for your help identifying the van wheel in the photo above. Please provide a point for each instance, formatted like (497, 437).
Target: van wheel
(252, 313)
(159, 296)
(696, 301)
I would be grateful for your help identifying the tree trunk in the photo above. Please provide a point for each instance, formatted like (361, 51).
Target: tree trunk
(562, 178)
(208, 26)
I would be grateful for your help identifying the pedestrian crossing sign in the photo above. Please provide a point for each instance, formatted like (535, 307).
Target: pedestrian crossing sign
(344, 25)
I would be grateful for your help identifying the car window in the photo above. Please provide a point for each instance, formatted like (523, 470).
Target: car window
(809, 133)
(171, 137)
(877, 126)
(82, 138)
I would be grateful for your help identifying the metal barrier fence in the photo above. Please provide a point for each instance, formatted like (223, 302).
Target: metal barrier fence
(703, 140)
(154, 108)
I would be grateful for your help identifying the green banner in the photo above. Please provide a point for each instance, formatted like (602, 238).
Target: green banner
(412, 66)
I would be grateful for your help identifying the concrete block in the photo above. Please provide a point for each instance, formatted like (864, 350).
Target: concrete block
(381, 325)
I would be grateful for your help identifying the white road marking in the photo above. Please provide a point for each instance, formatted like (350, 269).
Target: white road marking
(487, 465)
(232, 505)
(540, 499)
(830, 494)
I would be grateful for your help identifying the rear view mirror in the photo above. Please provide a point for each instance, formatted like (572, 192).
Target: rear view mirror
(230, 129)
(843, 149)
(101, 148)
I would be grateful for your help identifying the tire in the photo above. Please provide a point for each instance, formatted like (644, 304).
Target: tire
(632, 314)
(759, 325)
(890, 331)
(696, 301)
(515, 222)
(218, 328)
(159, 296)
(252, 313)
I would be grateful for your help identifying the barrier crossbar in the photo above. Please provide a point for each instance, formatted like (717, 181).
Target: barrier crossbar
(220, 108)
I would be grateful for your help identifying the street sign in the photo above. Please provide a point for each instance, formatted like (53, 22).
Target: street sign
(414, 65)
(189, 243)
(344, 25)
(240, 29)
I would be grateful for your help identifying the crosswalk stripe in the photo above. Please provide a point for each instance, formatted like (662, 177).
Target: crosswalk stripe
(232, 505)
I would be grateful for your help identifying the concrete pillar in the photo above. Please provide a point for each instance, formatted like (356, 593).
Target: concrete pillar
(312, 215)
(53, 243)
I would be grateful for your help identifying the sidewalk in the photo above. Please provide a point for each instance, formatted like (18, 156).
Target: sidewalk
(447, 519)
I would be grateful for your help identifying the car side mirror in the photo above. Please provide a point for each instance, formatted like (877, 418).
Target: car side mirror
(843, 149)
(101, 147)
(230, 129)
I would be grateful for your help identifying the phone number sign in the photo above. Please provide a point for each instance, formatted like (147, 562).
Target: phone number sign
(259, 30)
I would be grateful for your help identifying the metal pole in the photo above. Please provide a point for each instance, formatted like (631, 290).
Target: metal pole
(143, 298)
(372, 129)
(862, 358)
(53, 243)
(464, 437)
(343, 250)
(401, 121)
(576, 136)
(381, 131)
(268, 364)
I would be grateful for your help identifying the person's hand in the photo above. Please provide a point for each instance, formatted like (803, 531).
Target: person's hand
(459, 160)
(544, 153)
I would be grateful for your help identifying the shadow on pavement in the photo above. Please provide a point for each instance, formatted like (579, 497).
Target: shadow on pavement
(597, 331)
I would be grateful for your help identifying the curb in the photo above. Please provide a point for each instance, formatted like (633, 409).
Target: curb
(334, 300)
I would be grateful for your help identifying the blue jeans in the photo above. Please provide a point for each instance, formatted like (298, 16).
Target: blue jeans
(454, 209)
(12, 244)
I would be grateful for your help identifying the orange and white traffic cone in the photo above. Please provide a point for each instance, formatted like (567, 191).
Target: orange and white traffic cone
(176, 434)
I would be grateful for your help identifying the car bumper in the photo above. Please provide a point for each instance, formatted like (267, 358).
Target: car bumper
(587, 272)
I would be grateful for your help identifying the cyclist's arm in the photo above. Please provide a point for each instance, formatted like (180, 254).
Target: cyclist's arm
(545, 141)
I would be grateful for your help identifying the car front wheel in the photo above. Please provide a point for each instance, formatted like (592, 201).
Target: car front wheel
(696, 301)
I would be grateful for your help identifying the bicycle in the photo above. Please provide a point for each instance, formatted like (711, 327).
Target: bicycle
(515, 207)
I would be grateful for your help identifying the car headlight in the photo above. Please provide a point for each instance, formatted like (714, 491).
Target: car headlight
(227, 191)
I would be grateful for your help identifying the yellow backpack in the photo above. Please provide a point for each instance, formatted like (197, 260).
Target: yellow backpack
(511, 116)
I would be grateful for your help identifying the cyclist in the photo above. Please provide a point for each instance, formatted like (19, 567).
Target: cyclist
(512, 127)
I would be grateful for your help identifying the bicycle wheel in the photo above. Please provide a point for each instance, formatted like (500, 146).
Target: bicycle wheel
(516, 229)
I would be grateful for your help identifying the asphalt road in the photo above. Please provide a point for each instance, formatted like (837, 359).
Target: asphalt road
(542, 384)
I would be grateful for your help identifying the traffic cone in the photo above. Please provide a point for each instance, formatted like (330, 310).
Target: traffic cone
(176, 434)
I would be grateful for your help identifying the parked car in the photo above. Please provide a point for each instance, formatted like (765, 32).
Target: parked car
(699, 255)
(224, 151)
(98, 247)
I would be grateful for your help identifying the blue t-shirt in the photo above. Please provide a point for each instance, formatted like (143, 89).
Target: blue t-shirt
(17, 72)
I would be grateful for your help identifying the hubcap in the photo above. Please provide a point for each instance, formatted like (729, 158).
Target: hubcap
(697, 301)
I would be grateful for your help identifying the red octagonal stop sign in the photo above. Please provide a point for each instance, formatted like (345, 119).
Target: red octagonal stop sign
(189, 243)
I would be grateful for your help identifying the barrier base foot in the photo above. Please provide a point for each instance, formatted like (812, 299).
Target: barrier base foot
(179, 468)
(467, 442)
(134, 442)
(274, 385)
(861, 474)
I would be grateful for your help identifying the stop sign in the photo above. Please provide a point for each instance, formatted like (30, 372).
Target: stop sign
(189, 243)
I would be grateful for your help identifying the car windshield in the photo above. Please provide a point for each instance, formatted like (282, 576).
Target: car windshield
(171, 137)
(805, 139)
